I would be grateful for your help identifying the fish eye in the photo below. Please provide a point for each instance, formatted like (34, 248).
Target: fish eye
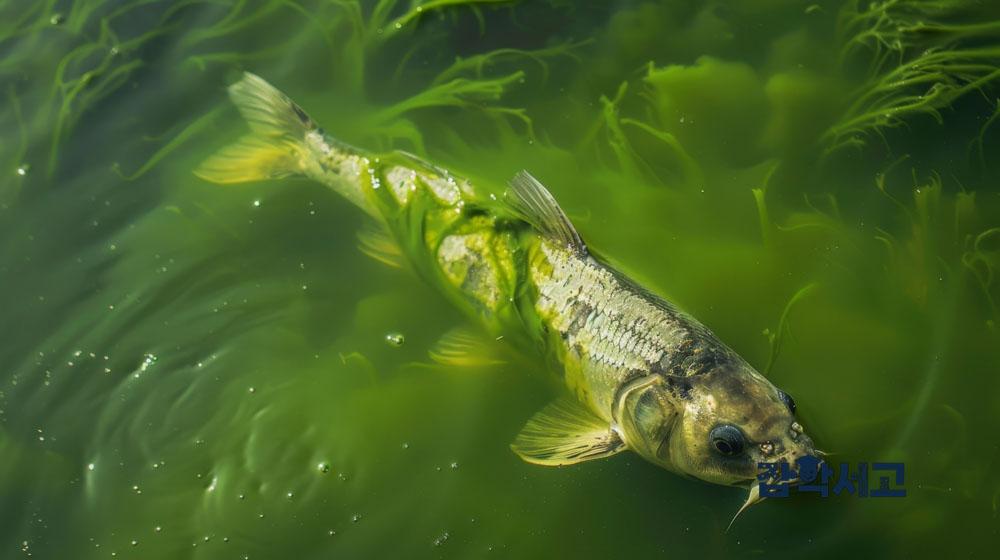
(727, 439)
(787, 399)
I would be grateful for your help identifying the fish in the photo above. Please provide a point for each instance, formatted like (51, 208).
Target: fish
(639, 374)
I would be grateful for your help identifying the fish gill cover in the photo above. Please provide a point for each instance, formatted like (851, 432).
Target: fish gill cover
(201, 371)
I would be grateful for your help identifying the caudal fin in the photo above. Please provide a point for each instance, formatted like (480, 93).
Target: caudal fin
(275, 146)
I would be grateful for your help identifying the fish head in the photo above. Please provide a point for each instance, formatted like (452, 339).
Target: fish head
(727, 421)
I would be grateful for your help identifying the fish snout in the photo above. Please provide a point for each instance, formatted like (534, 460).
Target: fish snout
(794, 446)
(800, 441)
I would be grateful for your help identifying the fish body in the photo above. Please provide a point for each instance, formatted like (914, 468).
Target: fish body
(640, 374)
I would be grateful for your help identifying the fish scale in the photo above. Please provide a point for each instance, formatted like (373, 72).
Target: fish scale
(611, 346)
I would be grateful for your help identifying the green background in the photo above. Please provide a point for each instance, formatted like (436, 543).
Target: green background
(196, 371)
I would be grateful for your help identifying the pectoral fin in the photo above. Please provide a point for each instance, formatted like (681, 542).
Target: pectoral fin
(566, 432)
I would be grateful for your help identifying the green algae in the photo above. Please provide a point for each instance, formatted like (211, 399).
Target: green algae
(826, 171)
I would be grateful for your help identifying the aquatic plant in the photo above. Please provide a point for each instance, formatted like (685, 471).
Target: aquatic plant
(783, 330)
(982, 259)
(97, 56)
(920, 57)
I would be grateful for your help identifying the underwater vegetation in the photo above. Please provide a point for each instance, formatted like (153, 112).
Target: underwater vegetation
(200, 371)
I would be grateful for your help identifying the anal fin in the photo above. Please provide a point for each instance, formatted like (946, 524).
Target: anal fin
(564, 433)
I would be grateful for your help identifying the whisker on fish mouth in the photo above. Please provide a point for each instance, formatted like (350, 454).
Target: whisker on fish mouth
(752, 498)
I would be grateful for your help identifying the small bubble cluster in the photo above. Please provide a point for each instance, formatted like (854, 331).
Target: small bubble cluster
(149, 360)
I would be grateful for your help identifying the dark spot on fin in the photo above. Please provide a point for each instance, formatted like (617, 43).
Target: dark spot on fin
(533, 203)
(306, 120)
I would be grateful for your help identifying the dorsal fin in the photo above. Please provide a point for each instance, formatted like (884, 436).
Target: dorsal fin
(533, 203)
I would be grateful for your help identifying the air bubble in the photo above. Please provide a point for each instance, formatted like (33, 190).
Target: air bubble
(395, 339)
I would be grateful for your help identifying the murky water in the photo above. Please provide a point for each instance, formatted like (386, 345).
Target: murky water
(196, 371)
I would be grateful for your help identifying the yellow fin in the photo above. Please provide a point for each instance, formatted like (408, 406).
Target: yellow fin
(276, 145)
(566, 432)
(249, 159)
(464, 348)
(379, 245)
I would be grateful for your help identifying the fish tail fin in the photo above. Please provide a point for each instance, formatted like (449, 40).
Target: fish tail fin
(275, 146)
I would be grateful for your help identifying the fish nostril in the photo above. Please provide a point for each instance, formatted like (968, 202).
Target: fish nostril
(795, 430)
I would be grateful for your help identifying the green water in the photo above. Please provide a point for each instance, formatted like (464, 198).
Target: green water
(196, 371)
